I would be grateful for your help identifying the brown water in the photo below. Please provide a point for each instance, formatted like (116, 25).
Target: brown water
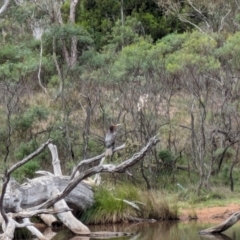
(168, 230)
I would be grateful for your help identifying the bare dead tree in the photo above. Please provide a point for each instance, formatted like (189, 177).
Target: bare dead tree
(57, 199)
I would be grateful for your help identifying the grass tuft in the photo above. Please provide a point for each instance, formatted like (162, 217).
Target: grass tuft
(110, 207)
(158, 206)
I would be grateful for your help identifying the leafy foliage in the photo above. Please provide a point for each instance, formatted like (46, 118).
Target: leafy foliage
(108, 208)
(30, 118)
(26, 171)
(111, 206)
(100, 17)
(193, 99)
(165, 155)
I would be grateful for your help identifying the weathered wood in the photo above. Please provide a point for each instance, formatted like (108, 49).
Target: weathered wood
(96, 181)
(70, 221)
(9, 228)
(29, 157)
(105, 235)
(223, 226)
(57, 191)
(217, 236)
(34, 230)
(28, 214)
(9, 224)
(39, 190)
(120, 168)
(7, 175)
(55, 160)
(66, 218)
(49, 234)
(97, 160)
(48, 219)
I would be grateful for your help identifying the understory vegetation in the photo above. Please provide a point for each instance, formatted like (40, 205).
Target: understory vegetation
(166, 68)
(124, 202)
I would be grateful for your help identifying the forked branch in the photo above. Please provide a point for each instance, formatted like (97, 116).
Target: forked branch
(97, 169)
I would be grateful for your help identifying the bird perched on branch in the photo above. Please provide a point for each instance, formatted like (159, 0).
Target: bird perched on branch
(110, 139)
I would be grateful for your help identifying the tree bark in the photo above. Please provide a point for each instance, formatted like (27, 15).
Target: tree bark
(36, 195)
(66, 218)
(222, 226)
(39, 190)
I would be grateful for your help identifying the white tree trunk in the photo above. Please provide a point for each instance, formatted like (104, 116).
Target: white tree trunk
(66, 218)
(70, 221)
(39, 190)
(36, 195)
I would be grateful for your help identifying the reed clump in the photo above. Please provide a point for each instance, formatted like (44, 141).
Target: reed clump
(128, 203)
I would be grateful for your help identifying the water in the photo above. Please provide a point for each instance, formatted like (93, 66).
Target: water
(167, 230)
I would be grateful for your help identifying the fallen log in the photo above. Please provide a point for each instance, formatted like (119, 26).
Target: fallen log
(69, 220)
(57, 191)
(34, 230)
(222, 226)
(110, 168)
(66, 218)
(39, 190)
(9, 228)
(49, 220)
(217, 236)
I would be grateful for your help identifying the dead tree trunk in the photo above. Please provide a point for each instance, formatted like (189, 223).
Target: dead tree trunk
(222, 226)
(36, 196)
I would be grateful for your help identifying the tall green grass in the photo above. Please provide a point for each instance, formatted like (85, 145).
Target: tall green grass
(110, 207)
(158, 206)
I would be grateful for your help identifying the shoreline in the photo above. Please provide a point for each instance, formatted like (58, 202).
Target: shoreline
(212, 214)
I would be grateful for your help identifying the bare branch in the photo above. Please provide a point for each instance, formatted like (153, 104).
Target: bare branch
(100, 168)
(198, 11)
(29, 157)
(33, 230)
(92, 160)
(187, 21)
(13, 168)
(28, 214)
(4, 7)
(237, 4)
(222, 20)
(57, 67)
(40, 68)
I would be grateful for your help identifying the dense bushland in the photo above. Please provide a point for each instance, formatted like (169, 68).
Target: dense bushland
(157, 69)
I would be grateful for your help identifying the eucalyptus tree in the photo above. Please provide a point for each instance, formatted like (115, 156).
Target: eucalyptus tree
(22, 122)
(23, 67)
(99, 17)
(205, 16)
(212, 120)
(64, 41)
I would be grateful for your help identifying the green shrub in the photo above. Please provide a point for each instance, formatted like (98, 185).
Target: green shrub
(107, 209)
(26, 171)
(24, 149)
(166, 155)
(111, 206)
(157, 206)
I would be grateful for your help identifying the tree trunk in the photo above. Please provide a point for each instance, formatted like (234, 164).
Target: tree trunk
(35, 196)
(39, 190)
(223, 226)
